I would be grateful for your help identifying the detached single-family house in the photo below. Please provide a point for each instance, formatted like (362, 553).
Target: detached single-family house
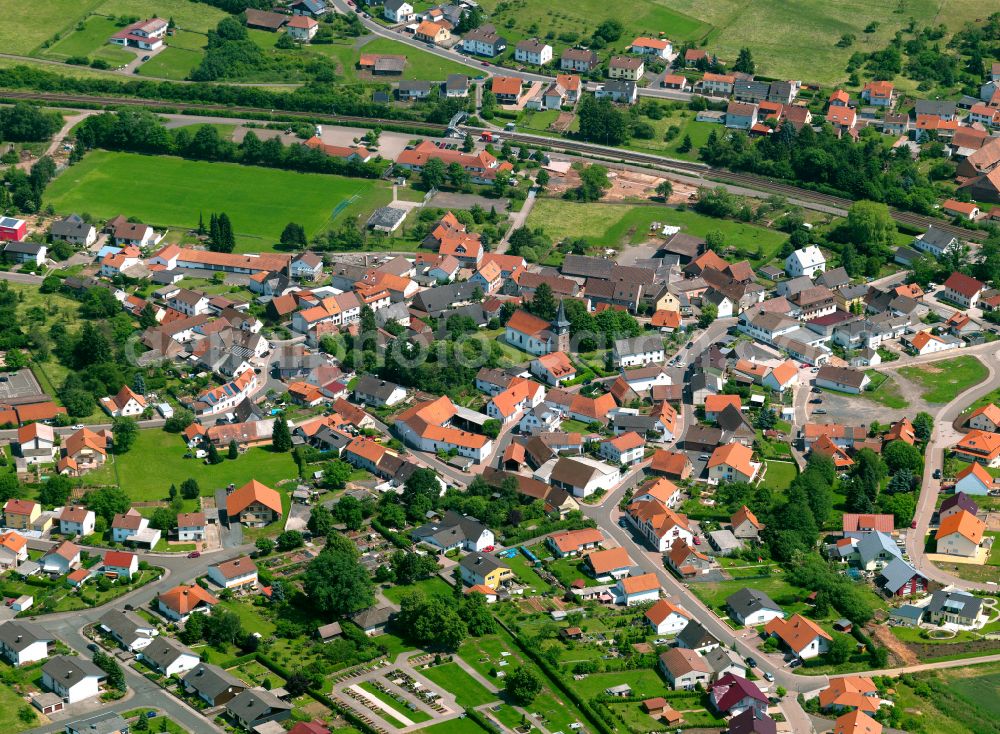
(666, 618)
(128, 629)
(734, 694)
(73, 679)
(802, 636)
(455, 531)
(807, 261)
(169, 657)
(398, 11)
(24, 642)
(36, 443)
(986, 418)
(960, 534)
(684, 669)
(964, 290)
(574, 542)
(178, 603)
(255, 707)
(481, 569)
(641, 589)
(74, 230)
(843, 379)
(254, 505)
(954, 607)
(695, 637)
(733, 463)
(77, 521)
(126, 403)
(638, 352)
(751, 607)
(62, 559)
(235, 573)
(212, 684)
(533, 51)
(607, 565)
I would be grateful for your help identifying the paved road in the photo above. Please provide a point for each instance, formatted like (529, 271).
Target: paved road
(518, 219)
(68, 627)
(942, 438)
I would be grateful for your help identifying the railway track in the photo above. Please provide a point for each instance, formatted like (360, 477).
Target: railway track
(748, 180)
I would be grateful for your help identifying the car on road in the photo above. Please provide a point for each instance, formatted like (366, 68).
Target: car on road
(489, 549)
(816, 401)
(703, 457)
(145, 58)
(815, 389)
(769, 676)
(193, 554)
(751, 663)
(661, 641)
(486, 63)
(77, 426)
(913, 525)
(820, 411)
(937, 473)
(697, 540)
(622, 523)
(92, 647)
(689, 345)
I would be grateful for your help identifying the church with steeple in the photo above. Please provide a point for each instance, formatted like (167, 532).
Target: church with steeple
(537, 336)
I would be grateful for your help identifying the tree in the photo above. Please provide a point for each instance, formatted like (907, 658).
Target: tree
(491, 427)
(181, 419)
(664, 189)
(457, 177)
(870, 227)
(289, 540)
(337, 583)
(431, 621)
(281, 437)
(214, 457)
(522, 685)
(899, 455)
(840, 649)
(234, 451)
(709, 313)
(115, 676)
(10, 487)
(264, 546)
(744, 62)
(433, 174)
(923, 426)
(542, 178)
(320, 521)
(407, 568)
(190, 489)
(107, 502)
(336, 473)
(477, 615)
(125, 431)
(686, 144)
(543, 303)
(594, 182)
(56, 491)
(602, 122)
(420, 493)
(294, 235)
(468, 144)
(163, 519)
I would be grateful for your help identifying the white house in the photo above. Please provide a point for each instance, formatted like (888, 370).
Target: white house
(72, 678)
(581, 476)
(626, 449)
(666, 618)
(808, 261)
(752, 608)
(128, 629)
(398, 11)
(24, 642)
(638, 352)
(234, 573)
(120, 564)
(76, 520)
(633, 590)
(61, 559)
(126, 403)
(169, 657)
(801, 635)
(191, 526)
(533, 51)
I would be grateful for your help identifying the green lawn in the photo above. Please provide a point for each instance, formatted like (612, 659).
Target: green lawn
(780, 475)
(419, 64)
(613, 225)
(944, 380)
(157, 460)
(91, 41)
(434, 585)
(455, 726)
(469, 692)
(790, 597)
(174, 192)
(25, 23)
(187, 14)
(645, 683)
(182, 55)
(526, 573)
(254, 619)
(956, 701)
(10, 704)
(699, 132)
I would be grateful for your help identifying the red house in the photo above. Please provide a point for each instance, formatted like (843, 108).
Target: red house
(12, 230)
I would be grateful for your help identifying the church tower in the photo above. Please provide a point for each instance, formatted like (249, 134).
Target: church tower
(560, 327)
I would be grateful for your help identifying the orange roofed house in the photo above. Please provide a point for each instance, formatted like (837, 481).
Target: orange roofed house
(254, 505)
(440, 425)
(482, 167)
(802, 636)
(979, 446)
(180, 602)
(960, 534)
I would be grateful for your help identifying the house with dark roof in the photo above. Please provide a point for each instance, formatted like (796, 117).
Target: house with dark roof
(212, 684)
(168, 657)
(257, 706)
(734, 694)
(899, 578)
(455, 531)
(954, 607)
(695, 637)
(751, 607)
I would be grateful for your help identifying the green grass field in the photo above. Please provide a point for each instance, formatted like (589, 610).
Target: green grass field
(614, 224)
(26, 24)
(944, 380)
(419, 64)
(157, 460)
(434, 585)
(182, 55)
(780, 475)
(174, 191)
(92, 42)
(468, 691)
(187, 14)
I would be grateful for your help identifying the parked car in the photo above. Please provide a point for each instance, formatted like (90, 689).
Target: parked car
(193, 554)
(145, 58)
(697, 540)
(820, 411)
(488, 549)
(816, 401)
(795, 663)
(751, 663)
(769, 676)
(913, 525)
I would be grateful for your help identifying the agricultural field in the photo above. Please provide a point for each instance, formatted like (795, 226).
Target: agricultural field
(957, 701)
(942, 381)
(615, 224)
(157, 460)
(176, 191)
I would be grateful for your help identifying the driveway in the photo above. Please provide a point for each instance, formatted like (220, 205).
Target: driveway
(298, 517)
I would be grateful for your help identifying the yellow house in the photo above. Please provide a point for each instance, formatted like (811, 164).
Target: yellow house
(483, 569)
(666, 301)
(429, 32)
(21, 514)
(630, 68)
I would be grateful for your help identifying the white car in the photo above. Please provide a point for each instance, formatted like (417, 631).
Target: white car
(78, 427)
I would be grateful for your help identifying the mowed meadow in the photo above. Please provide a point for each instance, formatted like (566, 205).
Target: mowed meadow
(169, 192)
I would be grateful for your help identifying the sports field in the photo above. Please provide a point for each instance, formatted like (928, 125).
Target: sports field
(172, 192)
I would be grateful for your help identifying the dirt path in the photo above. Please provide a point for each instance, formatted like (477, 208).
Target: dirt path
(883, 635)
